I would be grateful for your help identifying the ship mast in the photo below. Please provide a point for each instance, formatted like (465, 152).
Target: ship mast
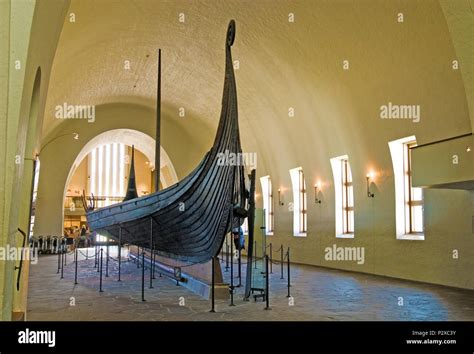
(158, 127)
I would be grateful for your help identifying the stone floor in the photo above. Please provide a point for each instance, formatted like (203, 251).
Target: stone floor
(317, 294)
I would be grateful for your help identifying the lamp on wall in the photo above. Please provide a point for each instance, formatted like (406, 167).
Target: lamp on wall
(279, 197)
(370, 176)
(316, 199)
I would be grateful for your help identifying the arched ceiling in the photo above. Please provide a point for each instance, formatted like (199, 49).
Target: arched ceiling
(282, 65)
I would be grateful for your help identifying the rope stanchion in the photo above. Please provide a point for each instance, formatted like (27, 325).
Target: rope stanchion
(240, 268)
(267, 285)
(226, 255)
(151, 253)
(62, 265)
(75, 270)
(119, 246)
(231, 288)
(143, 276)
(271, 258)
(288, 270)
(153, 262)
(98, 258)
(212, 284)
(107, 260)
(100, 269)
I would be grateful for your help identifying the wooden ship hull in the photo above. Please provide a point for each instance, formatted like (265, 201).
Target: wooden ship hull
(189, 220)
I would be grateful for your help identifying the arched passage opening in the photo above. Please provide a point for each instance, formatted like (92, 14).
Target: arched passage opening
(101, 169)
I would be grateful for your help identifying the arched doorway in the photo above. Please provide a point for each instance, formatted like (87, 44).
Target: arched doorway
(101, 169)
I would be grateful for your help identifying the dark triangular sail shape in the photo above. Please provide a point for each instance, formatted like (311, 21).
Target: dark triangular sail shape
(132, 183)
(191, 218)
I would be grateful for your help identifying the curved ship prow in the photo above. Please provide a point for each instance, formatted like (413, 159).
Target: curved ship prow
(189, 220)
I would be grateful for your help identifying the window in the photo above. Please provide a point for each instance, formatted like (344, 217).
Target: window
(299, 202)
(107, 168)
(344, 191)
(34, 196)
(408, 200)
(267, 193)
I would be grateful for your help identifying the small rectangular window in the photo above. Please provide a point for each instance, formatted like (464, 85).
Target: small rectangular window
(347, 198)
(269, 225)
(302, 200)
(299, 202)
(344, 199)
(413, 196)
(408, 200)
(267, 193)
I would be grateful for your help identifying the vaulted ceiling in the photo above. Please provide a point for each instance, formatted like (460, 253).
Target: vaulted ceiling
(282, 65)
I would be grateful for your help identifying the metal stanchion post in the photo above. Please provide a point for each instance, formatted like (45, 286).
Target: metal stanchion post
(212, 284)
(151, 254)
(62, 264)
(240, 268)
(119, 252)
(154, 261)
(267, 285)
(107, 260)
(226, 255)
(255, 248)
(231, 271)
(151, 271)
(98, 257)
(75, 271)
(288, 270)
(143, 275)
(100, 269)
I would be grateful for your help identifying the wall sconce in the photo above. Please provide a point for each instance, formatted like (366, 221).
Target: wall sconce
(370, 176)
(279, 197)
(316, 200)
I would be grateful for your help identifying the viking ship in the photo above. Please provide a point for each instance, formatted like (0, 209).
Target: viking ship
(187, 221)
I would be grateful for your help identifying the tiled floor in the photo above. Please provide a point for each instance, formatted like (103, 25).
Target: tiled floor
(318, 294)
